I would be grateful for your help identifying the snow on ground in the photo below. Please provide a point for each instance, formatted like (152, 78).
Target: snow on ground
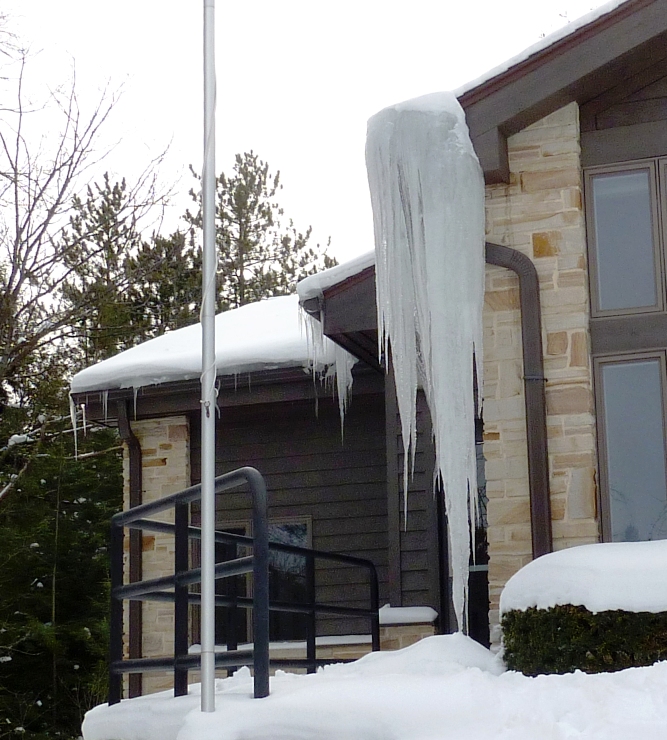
(259, 336)
(442, 688)
(604, 576)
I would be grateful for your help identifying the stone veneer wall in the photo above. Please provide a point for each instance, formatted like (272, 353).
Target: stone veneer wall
(540, 214)
(165, 445)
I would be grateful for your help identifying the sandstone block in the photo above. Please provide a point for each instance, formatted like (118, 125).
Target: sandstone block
(581, 495)
(575, 399)
(557, 343)
(546, 243)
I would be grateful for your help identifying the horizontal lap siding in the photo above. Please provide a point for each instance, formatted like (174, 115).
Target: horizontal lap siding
(311, 472)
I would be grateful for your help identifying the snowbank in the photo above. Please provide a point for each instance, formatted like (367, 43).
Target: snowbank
(260, 336)
(600, 577)
(444, 688)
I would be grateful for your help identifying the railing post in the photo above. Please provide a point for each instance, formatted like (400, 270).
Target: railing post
(231, 622)
(260, 612)
(375, 607)
(181, 564)
(116, 620)
(311, 624)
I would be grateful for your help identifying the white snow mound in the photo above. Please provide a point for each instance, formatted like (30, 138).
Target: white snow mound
(442, 688)
(600, 577)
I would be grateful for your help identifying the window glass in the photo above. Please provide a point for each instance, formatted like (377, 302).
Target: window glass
(635, 449)
(287, 580)
(624, 245)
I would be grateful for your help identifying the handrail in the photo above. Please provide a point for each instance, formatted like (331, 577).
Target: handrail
(174, 589)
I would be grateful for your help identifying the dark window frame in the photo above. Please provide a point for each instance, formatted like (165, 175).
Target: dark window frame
(604, 501)
(633, 330)
(657, 168)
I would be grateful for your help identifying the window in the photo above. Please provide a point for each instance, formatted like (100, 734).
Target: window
(625, 247)
(287, 582)
(632, 445)
(626, 220)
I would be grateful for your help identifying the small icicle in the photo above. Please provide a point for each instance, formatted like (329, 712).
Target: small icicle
(105, 405)
(135, 392)
(328, 359)
(344, 364)
(72, 415)
(83, 421)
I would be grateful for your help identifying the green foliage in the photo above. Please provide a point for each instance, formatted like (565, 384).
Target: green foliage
(567, 638)
(122, 289)
(259, 257)
(54, 593)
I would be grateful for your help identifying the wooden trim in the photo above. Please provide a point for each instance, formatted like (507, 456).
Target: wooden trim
(623, 144)
(393, 493)
(559, 48)
(136, 542)
(621, 93)
(642, 332)
(248, 389)
(578, 68)
(437, 585)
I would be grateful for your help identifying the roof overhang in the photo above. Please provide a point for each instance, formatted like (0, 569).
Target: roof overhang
(578, 67)
(246, 389)
(348, 313)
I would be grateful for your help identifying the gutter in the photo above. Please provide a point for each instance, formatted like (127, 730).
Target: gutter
(136, 541)
(534, 391)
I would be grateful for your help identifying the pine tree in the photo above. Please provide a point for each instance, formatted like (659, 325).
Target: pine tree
(259, 256)
(123, 289)
(54, 581)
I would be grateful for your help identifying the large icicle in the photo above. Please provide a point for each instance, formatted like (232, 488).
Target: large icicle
(427, 192)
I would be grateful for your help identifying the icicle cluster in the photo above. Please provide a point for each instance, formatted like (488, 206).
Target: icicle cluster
(321, 351)
(427, 192)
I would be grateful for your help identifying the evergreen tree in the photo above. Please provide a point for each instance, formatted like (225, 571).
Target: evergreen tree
(258, 256)
(127, 290)
(54, 596)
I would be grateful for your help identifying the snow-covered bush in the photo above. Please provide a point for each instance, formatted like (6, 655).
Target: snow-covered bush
(593, 608)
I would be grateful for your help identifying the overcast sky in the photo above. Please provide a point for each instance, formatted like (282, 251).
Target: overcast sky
(297, 81)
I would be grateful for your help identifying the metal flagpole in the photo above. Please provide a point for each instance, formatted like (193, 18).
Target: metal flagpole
(208, 394)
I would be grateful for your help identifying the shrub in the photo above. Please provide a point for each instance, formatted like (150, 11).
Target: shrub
(566, 638)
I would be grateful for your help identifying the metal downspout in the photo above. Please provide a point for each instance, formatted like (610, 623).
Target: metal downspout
(136, 545)
(534, 386)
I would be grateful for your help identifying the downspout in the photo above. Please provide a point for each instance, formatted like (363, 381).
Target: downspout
(136, 544)
(534, 391)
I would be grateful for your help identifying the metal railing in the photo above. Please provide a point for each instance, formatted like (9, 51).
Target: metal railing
(175, 589)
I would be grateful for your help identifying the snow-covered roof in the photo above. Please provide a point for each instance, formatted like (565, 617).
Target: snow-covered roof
(600, 577)
(540, 45)
(260, 336)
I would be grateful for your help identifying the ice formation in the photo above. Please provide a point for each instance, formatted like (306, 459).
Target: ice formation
(427, 193)
(319, 348)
